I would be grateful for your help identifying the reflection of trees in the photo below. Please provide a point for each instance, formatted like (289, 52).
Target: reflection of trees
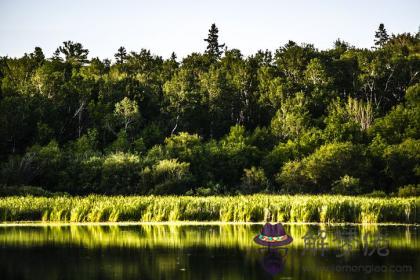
(183, 235)
(173, 251)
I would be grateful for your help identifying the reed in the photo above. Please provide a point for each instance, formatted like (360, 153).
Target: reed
(252, 208)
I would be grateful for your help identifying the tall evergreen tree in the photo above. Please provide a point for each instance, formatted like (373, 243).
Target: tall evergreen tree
(213, 48)
(121, 55)
(38, 55)
(73, 52)
(381, 36)
(173, 57)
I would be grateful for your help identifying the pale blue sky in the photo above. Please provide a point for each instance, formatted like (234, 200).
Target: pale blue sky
(165, 26)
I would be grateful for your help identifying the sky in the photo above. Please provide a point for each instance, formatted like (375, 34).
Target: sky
(103, 26)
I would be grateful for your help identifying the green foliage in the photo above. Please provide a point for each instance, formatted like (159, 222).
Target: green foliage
(121, 55)
(398, 124)
(376, 194)
(169, 176)
(254, 180)
(233, 155)
(127, 110)
(402, 162)
(318, 171)
(87, 144)
(346, 185)
(89, 176)
(316, 73)
(183, 146)
(74, 53)
(254, 208)
(213, 47)
(304, 120)
(120, 144)
(409, 190)
(120, 173)
(23, 191)
(381, 36)
(291, 119)
(347, 122)
(49, 162)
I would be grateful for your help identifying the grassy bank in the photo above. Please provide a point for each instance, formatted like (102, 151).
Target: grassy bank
(255, 208)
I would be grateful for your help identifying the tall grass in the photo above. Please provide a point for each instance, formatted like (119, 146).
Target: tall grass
(253, 208)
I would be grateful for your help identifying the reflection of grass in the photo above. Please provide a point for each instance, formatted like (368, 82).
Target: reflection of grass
(182, 236)
(302, 208)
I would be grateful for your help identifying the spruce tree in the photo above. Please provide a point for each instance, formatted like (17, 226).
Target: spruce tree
(121, 55)
(381, 36)
(213, 48)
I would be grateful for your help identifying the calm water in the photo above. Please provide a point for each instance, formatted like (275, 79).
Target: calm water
(206, 252)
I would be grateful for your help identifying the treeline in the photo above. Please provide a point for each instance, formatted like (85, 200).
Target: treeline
(297, 120)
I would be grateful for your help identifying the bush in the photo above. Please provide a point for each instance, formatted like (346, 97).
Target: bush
(189, 148)
(401, 162)
(168, 176)
(317, 172)
(120, 173)
(23, 191)
(409, 190)
(376, 193)
(253, 180)
(48, 163)
(18, 170)
(347, 121)
(90, 173)
(120, 144)
(202, 191)
(232, 155)
(292, 118)
(346, 185)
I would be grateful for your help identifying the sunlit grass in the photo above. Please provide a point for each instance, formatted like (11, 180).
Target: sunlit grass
(253, 208)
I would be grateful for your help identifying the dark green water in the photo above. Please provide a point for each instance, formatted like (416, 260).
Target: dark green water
(206, 252)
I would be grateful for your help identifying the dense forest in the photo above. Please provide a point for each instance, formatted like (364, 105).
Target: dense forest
(296, 120)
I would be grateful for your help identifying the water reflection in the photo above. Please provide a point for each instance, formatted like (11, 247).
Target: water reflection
(193, 252)
(273, 260)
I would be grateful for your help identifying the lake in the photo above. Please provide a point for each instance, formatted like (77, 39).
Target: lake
(206, 251)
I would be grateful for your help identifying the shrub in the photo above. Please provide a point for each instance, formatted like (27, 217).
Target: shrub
(189, 148)
(120, 173)
(348, 121)
(402, 161)
(292, 118)
(48, 165)
(202, 191)
(376, 193)
(120, 144)
(90, 173)
(409, 190)
(291, 150)
(253, 180)
(317, 172)
(346, 185)
(23, 191)
(18, 170)
(232, 155)
(168, 176)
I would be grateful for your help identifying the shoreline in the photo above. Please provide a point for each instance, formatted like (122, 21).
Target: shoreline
(186, 223)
